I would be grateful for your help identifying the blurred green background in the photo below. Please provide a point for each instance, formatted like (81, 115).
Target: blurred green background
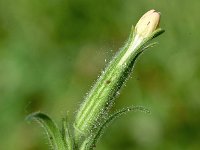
(51, 52)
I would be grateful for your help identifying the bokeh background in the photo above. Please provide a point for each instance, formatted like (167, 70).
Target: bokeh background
(51, 52)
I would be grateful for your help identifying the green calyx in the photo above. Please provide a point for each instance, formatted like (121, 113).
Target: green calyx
(99, 100)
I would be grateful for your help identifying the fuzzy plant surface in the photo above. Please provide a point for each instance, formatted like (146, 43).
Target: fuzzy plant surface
(94, 116)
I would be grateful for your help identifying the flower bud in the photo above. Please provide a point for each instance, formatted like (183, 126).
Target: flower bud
(147, 24)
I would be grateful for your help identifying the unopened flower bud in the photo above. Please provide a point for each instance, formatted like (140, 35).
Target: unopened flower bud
(147, 24)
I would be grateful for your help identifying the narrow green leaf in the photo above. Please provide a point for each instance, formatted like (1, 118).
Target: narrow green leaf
(51, 129)
(158, 32)
(67, 134)
(110, 119)
(150, 45)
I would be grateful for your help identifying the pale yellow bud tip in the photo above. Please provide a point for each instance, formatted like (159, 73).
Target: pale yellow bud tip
(147, 24)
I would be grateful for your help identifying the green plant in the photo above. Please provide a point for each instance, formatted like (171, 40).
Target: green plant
(93, 115)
